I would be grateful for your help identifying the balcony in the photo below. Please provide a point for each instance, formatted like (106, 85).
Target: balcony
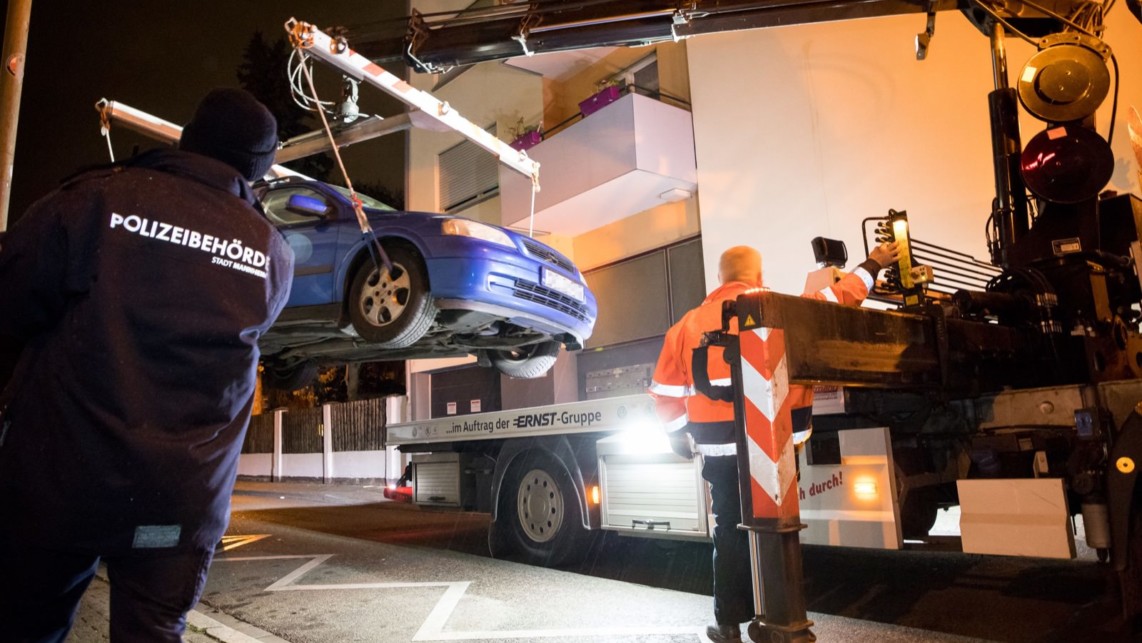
(630, 156)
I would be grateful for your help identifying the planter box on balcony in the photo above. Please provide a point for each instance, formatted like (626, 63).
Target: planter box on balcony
(527, 140)
(600, 100)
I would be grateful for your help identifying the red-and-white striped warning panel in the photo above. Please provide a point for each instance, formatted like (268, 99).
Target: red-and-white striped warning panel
(768, 424)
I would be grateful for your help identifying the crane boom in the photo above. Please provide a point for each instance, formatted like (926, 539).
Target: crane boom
(337, 53)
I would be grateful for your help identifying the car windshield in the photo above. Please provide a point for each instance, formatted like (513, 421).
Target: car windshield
(366, 200)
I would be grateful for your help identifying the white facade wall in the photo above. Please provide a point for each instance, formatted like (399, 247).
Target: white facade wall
(302, 465)
(346, 465)
(360, 464)
(259, 465)
(486, 94)
(803, 131)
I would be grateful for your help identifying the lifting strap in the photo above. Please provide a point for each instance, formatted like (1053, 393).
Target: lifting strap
(376, 251)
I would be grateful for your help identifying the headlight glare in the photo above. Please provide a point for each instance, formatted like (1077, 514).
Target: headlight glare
(466, 228)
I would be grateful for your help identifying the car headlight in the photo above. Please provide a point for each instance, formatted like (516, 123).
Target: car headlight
(466, 228)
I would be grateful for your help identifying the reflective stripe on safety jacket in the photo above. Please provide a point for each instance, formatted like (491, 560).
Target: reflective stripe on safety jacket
(681, 407)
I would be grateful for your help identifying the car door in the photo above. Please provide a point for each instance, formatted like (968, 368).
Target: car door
(308, 219)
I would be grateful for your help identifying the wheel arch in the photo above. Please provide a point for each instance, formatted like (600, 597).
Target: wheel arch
(361, 254)
(558, 447)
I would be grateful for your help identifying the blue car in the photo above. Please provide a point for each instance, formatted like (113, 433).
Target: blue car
(456, 287)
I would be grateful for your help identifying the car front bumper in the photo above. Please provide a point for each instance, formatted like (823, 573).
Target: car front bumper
(511, 288)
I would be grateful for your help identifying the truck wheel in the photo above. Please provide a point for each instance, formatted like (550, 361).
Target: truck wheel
(393, 309)
(539, 517)
(526, 362)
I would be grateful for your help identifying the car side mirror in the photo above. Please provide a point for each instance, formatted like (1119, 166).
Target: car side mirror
(307, 205)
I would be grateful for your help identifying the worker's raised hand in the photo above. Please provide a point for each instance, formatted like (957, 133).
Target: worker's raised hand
(885, 254)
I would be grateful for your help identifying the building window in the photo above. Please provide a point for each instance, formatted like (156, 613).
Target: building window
(643, 76)
(641, 297)
(468, 174)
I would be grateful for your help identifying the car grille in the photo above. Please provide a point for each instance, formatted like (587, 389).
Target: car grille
(550, 298)
(543, 253)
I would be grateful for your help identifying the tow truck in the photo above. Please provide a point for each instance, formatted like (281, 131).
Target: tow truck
(1017, 397)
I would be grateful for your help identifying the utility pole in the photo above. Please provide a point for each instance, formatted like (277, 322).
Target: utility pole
(11, 86)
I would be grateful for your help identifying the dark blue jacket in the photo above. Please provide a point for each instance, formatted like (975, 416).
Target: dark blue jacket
(136, 295)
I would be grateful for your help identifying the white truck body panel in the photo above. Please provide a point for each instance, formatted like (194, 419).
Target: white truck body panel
(628, 413)
(853, 504)
(647, 490)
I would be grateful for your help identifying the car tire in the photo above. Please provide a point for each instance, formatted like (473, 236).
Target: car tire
(391, 309)
(540, 520)
(288, 376)
(525, 362)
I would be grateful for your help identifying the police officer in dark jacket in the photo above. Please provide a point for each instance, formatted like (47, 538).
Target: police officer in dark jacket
(135, 296)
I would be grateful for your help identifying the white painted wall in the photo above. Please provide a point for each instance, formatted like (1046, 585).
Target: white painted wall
(346, 465)
(361, 464)
(803, 131)
(302, 465)
(255, 464)
(486, 94)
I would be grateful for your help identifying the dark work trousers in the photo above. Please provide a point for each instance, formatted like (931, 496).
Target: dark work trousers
(733, 580)
(151, 592)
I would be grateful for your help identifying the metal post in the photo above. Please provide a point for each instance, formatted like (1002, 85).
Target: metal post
(11, 87)
(276, 465)
(327, 442)
(767, 475)
(1010, 191)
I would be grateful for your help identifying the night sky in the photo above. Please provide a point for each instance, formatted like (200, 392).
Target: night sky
(162, 57)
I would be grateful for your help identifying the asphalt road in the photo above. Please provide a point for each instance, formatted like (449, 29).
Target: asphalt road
(386, 565)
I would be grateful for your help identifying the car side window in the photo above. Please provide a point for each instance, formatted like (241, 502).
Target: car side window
(276, 204)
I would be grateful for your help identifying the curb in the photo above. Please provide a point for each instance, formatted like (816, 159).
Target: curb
(225, 628)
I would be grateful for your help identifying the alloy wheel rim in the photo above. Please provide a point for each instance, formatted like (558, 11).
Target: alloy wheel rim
(385, 297)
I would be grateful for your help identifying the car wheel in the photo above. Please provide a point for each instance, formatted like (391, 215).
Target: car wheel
(394, 308)
(526, 361)
(288, 376)
(539, 516)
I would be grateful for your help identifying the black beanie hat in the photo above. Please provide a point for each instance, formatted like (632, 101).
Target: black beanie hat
(232, 126)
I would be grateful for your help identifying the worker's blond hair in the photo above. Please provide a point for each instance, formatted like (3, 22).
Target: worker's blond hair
(740, 263)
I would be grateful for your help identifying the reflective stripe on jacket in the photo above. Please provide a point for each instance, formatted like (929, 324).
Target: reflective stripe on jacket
(681, 407)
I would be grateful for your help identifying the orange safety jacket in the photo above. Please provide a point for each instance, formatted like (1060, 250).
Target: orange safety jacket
(678, 403)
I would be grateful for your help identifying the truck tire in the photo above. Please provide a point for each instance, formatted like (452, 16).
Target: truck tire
(539, 518)
(526, 362)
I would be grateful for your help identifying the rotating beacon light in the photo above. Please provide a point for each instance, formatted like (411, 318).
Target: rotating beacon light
(1064, 84)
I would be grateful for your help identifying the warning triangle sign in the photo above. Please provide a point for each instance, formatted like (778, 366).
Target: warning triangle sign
(749, 320)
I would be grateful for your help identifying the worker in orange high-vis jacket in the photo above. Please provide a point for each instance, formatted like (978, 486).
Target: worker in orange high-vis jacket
(694, 421)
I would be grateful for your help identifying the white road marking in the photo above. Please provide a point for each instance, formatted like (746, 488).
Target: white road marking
(434, 623)
(297, 573)
(604, 633)
(433, 627)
